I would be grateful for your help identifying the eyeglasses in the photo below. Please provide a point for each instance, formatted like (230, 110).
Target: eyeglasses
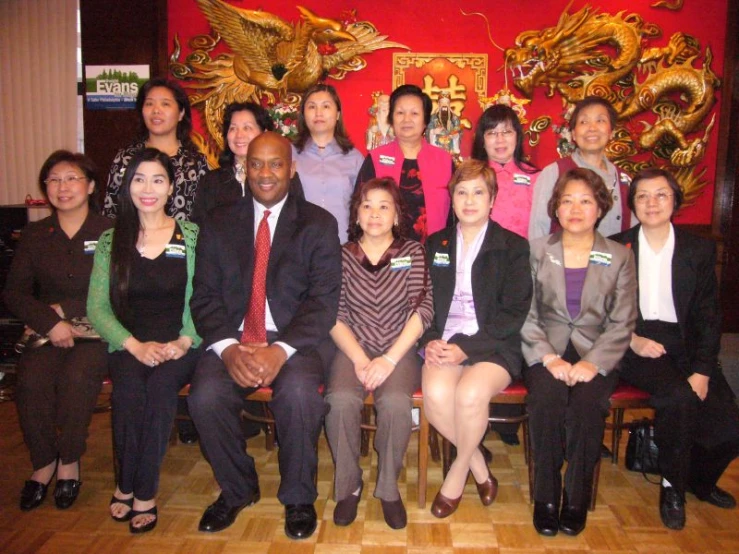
(661, 196)
(495, 134)
(69, 179)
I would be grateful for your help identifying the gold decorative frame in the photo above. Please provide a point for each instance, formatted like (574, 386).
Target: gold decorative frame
(477, 62)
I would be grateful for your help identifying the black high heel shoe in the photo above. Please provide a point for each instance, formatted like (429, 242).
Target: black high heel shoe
(126, 502)
(143, 528)
(34, 492)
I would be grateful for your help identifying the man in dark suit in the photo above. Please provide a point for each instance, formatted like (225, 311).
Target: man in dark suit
(300, 276)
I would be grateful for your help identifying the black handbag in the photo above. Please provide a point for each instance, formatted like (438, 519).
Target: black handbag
(641, 451)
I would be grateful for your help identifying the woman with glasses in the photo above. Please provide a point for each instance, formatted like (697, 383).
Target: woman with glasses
(674, 349)
(58, 382)
(499, 142)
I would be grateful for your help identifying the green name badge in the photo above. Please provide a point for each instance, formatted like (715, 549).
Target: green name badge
(175, 251)
(600, 258)
(397, 264)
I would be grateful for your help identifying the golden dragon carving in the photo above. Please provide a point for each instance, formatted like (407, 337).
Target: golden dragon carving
(269, 59)
(592, 53)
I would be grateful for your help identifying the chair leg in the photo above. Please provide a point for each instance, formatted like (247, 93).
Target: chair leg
(269, 428)
(366, 420)
(531, 480)
(423, 457)
(434, 444)
(526, 442)
(618, 426)
(596, 478)
(446, 458)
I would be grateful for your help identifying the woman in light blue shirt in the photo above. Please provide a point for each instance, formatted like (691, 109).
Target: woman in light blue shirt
(326, 159)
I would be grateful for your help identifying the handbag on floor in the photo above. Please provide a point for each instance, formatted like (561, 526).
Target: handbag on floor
(641, 451)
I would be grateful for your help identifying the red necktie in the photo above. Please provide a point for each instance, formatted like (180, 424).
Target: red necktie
(254, 329)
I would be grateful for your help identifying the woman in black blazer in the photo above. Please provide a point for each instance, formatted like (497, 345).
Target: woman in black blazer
(482, 293)
(674, 349)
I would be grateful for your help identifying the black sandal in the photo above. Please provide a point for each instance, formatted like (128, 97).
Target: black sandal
(126, 502)
(144, 528)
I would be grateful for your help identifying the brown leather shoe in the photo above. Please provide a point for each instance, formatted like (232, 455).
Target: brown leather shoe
(488, 490)
(444, 507)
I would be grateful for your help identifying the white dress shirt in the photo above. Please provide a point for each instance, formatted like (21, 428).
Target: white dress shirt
(655, 280)
(269, 322)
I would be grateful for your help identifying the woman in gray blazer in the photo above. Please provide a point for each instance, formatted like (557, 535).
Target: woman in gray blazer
(577, 330)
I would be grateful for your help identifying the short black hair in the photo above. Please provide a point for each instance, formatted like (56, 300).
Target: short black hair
(86, 165)
(261, 116)
(594, 101)
(410, 90)
(490, 119)
(655, 173)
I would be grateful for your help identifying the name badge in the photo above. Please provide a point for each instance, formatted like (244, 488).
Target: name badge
(397, 264)
(519, 179)
(600, 258)
(175, 251)
(90, 246)
(441, 259)
(387, 160)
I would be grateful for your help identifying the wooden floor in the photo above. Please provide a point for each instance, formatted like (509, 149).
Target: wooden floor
(626, 519)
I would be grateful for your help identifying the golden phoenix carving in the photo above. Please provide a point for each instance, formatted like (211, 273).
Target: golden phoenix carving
(270, 58)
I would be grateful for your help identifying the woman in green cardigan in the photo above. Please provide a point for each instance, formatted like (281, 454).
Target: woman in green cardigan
(139, 302)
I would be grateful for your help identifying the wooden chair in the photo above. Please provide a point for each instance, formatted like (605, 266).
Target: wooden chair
(625, 397)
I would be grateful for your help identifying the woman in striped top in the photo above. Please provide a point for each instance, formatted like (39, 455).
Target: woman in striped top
(385, 306)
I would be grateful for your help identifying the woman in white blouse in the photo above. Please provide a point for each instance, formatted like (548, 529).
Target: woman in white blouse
(674, 349)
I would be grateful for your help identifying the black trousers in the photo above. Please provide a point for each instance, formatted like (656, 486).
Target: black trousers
(144, 405)
(55, 397)
(697, 440)
(566, 422)
(215, 403)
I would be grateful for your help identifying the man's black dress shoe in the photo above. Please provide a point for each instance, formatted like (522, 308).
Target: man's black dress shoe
(572, 519)
(188, 436)
(546, 518)
(32, 495)
(219, 515)
(300, 520)
(718, 497)
(65, 492)
(671, 508)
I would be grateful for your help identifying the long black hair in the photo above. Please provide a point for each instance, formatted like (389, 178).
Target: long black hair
(340, 134)
(127, 226)
(490, 119)
(184, 127)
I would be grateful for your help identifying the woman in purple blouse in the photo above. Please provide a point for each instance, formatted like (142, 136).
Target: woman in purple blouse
(482, 292)
(325, 157)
